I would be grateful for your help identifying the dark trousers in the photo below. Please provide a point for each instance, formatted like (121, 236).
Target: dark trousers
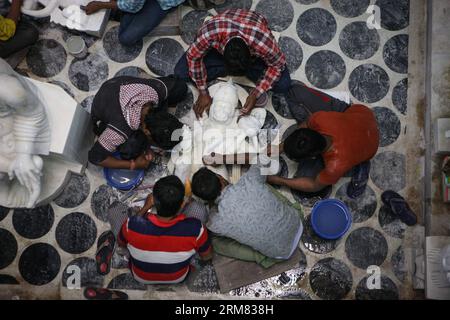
(215, 68)
(304, 101)
(135, 26)
(25, 36)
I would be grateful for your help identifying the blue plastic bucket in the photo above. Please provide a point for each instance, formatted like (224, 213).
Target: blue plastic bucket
(330, 219)
(123, 179)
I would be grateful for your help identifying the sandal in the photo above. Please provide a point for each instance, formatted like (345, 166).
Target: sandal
(105, 249)
(91, 293)
(399, 207)
(358, 183)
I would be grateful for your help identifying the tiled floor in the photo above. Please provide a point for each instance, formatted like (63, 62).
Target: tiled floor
(328, 46)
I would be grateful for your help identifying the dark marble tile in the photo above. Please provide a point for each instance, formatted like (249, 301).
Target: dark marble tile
(365, 247)
(7, 279)
(203, 279)
(33, 223)
(46, 58)
(313, 242)
(359, 42)
(293, 51)
(87, 103)
(116, 51)
(120, 260)
(388, 171)
(89, 275)
(316, 27)
(279, 13)
(280, 105)
(75, 192)
(191, 23)
(306, 1)
(101, 199)
(310, 168)
(8, 248)
(3, 212)
(125, 281)
(76, 232)
(39, 264)
(400, 95)
(398, 264)
(183, 107)
(394, 14)
(389, 125)
(132, 72)
(289, 131)
(395, 53)
(388, 290)
(234, 4)
(64, 86)
(162, 55)
(270, 122)
(390, 223)
(350, 8)
(362, 208)
(88, 74)
(369, 83)
(330, 279)
(325, 69)
(299, 294)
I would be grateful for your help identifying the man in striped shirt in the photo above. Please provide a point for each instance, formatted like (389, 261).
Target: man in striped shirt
(236, 42)
(161, 245)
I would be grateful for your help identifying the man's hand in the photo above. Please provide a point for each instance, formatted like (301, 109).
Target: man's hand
(149, 203)
(203, 104)
(249, 104)
(144, 160)
(93, 7)
(27, 170)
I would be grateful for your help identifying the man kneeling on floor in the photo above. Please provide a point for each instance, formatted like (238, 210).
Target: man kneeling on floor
(161, 245)
(254, 221)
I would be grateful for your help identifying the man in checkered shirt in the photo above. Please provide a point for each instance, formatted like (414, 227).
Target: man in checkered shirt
(239, 43)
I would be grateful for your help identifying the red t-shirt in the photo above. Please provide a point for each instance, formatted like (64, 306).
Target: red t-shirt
(355, 139)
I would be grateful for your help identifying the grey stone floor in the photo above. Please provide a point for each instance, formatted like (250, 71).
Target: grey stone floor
(328, 46)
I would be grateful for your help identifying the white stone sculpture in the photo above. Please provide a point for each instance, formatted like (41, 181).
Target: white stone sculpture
(36, 150)
(68, 14)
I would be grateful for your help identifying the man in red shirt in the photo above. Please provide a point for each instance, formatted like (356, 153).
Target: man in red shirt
(346, 137)
(236, 42)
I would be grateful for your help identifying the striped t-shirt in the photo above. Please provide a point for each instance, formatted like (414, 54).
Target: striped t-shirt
(160, 251)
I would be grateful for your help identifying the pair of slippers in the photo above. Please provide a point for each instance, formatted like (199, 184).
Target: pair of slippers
(399, 207)
(105, 249)
(91, 293)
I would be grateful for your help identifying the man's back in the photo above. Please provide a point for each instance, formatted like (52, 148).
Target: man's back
(160, 251)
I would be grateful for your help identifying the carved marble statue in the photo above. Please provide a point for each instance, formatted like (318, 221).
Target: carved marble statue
(68, 13)
(44, 137)
(24, 135)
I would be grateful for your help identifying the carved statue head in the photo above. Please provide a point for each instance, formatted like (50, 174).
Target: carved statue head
(225, 102)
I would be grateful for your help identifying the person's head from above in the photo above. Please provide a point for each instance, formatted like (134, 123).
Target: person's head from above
(161, 127)
(237, 57)
(304, 143)
(168, 196)
(225, 102)
(207, 185)
(136, 145)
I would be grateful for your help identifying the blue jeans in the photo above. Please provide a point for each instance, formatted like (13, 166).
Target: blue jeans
(135, 26)
(215, 68)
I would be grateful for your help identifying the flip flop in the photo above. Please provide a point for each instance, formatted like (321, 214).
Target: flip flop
(91, 293)
(105, 249)
(399, 207)
(358, 184)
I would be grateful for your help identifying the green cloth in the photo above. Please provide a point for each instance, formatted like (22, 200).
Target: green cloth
(233, 249)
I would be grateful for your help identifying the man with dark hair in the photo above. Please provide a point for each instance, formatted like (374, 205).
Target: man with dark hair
(207, 185)
(160, 244)
(236, 42)
(346, 136)
(124, 105)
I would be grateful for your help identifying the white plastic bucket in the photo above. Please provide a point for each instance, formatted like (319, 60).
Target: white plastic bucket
(77, 47)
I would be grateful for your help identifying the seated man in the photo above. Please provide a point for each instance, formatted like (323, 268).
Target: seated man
(161, 245)
(346, 138)
(15, 35)
(250, 212)
(238, 43)
(123, 106)
(140, 16)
